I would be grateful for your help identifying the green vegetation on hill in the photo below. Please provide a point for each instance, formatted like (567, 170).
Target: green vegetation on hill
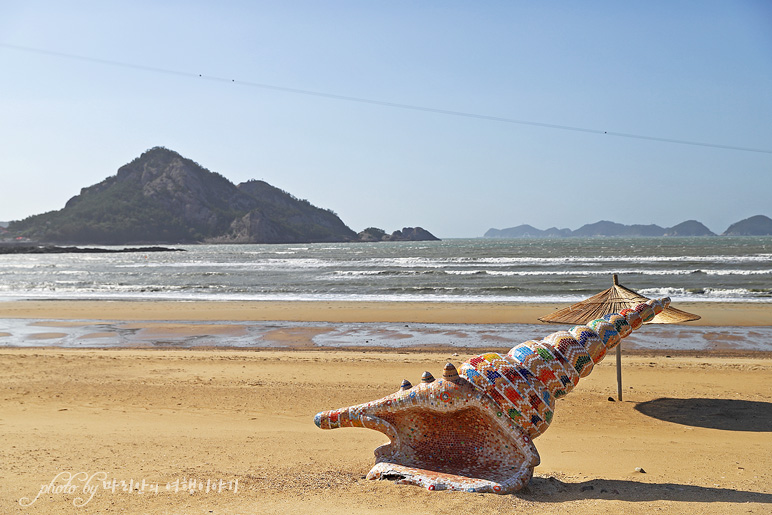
(299, 219)
(119, 214)
(164, 197)
(758, 225)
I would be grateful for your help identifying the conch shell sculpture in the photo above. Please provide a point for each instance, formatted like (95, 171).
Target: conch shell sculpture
(474, 430)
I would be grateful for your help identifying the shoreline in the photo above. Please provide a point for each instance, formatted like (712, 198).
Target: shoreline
(719, 314)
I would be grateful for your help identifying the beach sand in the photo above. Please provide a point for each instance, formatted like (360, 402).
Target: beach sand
(699, 426)
(712, 313)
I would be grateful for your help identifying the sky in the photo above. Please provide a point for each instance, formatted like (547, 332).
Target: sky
(453, 116)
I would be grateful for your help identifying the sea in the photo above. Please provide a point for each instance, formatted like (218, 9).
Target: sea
(716, 269)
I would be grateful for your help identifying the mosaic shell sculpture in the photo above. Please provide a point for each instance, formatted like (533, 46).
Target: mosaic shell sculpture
(473, 430)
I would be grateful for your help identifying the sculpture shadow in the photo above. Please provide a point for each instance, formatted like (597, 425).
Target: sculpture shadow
(549, 490)
(726, 414)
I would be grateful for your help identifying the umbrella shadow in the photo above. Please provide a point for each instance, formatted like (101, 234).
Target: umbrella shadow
(550, 489)
(726, 414)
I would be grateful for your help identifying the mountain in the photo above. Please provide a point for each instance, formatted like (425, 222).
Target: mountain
(527, 231)
(164, 197)
(758, 225)
(755, 226)
(602, 228)
(689, 228)
(554, 232)
(281, 218)
(605, 228)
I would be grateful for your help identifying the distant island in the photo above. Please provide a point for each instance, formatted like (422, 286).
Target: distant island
(406, 234)
(162, 197)
(758, 225)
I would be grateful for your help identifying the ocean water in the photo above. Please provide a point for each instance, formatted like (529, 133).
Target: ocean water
(724, 269)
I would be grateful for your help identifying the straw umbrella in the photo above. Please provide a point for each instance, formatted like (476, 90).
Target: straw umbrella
(613, 300)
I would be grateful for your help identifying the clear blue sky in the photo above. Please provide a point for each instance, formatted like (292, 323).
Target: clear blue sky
(692, 71)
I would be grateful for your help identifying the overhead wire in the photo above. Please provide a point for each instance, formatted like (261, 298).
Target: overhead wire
(383, 103)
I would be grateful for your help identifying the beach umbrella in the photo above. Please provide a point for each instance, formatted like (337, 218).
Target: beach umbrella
(613, 300)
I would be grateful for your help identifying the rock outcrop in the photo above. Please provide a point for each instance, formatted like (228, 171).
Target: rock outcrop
(406, 234)
(413, 234)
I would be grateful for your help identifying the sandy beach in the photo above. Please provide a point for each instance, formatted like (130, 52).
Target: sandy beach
(231, 431)
(712, 313)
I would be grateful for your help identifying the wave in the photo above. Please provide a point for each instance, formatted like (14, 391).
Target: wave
(550, 273)
(715, 294)
(572, 263)
(566, 260)
(385, 273)
(421, 294)
(451, 271)
(247, 265)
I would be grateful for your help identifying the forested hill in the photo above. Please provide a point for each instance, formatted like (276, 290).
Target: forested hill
(162, 196)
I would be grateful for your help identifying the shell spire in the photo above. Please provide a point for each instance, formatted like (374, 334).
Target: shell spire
(450, 373)
(527, 380)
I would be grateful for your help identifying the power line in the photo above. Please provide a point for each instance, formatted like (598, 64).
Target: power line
(382, 103)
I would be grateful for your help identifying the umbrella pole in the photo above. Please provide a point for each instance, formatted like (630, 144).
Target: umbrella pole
(615, 279)
(619, 371)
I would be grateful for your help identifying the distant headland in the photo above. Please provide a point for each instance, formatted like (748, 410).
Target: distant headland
(12, 248)
(163, 197)
(758, 225)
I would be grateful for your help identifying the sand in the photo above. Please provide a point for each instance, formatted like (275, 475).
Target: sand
(713, 314)
(697, 428)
